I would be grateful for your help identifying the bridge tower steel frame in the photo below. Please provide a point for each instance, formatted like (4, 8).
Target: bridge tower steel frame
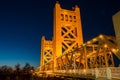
(67, 30)
(66, 50)
(46, 51)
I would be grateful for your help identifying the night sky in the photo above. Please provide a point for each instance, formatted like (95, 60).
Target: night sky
(24, 22)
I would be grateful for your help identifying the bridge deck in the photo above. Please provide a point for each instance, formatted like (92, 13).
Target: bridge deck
(110, 73)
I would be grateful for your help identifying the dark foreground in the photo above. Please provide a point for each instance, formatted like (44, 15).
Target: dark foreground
(26, 73)
(15, 77)
(56, 78)
(30, 77)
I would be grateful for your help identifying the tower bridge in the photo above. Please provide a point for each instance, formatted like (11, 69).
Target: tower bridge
(67, 56)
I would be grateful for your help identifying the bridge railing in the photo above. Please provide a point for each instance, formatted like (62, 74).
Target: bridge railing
(78, 72)
(108, 73)
(115, 72)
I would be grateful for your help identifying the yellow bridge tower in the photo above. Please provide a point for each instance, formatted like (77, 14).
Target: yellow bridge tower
(67, 30)
(66, 36)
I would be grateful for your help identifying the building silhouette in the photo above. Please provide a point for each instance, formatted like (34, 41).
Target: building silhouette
(116, 23)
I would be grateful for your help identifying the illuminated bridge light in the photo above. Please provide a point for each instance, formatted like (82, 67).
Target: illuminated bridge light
(118, 50)
(105, 46)
(84, 71)
(74, 55)
(84, 44)
(113, 50)
(101, 36)
(95, 39)
(88, 42)
(70, 71)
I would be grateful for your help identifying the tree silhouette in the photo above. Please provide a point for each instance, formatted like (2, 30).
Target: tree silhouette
(6, 70)
(18, 73)
(17, 69)
(9, 70)
(28, 68)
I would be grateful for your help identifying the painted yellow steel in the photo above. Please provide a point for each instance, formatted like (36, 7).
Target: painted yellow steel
(95, 53)
(67, 30)
(46, 51)
(67, 34)
(66, 51)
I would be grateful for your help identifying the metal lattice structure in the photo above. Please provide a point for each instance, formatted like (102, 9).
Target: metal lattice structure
(96, 53)
(66, 36)
(46, 50)
(67, 51)
(67, 30)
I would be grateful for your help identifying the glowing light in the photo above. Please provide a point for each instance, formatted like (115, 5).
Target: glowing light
(113, 50)
(101, 36)
(84, 71)
(117, 50)
(94, 39)
(84, 44)
(70, 71)
(74, 55)
(88, 42)
(105, 45)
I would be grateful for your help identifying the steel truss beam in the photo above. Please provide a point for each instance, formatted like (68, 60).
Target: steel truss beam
(96, 53)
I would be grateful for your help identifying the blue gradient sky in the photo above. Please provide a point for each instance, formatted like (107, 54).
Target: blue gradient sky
(23, 22)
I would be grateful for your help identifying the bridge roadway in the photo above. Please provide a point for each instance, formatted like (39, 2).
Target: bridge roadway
(110, 73)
